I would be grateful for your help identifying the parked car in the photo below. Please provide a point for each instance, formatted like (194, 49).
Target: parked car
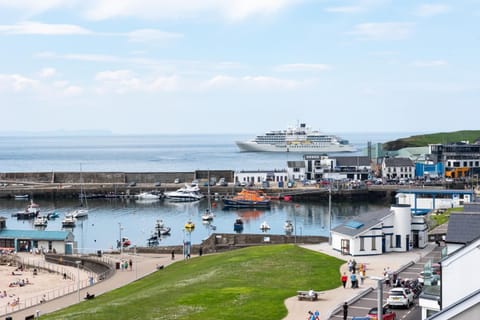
(402, 297)
(177, 180)
(157, 184)
(387, 314)
(132, 184)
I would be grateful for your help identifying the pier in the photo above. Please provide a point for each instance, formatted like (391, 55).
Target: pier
(69, 185)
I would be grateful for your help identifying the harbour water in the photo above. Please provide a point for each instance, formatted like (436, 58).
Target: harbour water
(109, 220)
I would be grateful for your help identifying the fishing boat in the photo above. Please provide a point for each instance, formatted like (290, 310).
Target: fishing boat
(161, 229)
(40, 221)
(298, 138)
(189, 225)
(148, 196)
(69, 221)
(288, 226)
(126, 242)
(30, 212)
(248, 199)
(207, 215)
(238, 225)
(264, 226)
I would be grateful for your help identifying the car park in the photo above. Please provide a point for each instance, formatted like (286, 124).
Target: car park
(387, 314)
(400, 297)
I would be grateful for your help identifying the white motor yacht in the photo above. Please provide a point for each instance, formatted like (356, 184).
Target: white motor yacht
(186, 193)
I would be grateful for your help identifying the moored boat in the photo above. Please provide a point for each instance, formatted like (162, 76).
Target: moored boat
(148, 196)
(238, 225)
(264, 226)
(185, 194)
(248, 199)
(288, 226)
(69, 221)
(40, 221)
(189, 225)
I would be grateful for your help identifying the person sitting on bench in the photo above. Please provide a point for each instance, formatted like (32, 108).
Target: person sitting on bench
(89, 296)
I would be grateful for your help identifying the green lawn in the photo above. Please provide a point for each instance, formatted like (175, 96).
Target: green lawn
(249, 283)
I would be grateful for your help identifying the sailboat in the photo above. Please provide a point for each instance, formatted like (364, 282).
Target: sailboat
(208, 215)
(81, 212)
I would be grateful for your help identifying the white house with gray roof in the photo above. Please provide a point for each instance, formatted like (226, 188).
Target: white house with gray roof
(398, 168)
(377, 232)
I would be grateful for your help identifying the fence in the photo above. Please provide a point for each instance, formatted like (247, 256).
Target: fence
(72, 272)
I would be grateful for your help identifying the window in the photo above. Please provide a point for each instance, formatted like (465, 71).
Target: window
(398, 241)
(374, 243)
(362, 244)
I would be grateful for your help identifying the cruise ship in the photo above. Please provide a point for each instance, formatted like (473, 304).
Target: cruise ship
(300, 138)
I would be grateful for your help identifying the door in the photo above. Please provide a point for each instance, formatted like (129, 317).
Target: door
(345, 246)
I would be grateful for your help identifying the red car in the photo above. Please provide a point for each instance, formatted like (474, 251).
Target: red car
(387, 314)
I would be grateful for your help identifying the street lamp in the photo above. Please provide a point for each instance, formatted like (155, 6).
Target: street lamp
(330, 215)
(121, 242)
(379, 296)
(78, 278)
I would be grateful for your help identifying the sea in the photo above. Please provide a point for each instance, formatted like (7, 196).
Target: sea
(112, 219)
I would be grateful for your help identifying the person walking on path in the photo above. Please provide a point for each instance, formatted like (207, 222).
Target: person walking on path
(353, 280)
(345, 311)
(344, 279)
(173, 254)
(130, 264)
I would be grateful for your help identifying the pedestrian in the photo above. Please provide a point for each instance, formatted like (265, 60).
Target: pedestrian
(349, 264)
(344, 279)
(317, 315)
(345, 310)
(173, 254)
(353, 280)
(64, 276)
(130, 263)
(354, 265)
(311, 316)
(200, 251)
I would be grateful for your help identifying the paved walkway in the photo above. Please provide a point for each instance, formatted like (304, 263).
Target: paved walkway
(144, 264)
(331, 300)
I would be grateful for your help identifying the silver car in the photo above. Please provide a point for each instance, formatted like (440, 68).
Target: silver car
(402, 297)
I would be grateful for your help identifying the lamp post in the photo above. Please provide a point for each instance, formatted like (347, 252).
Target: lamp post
(330, 215)
(121, 242)
(78, 278)
(379, 296)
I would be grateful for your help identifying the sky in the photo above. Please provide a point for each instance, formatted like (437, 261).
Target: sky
(239, 66)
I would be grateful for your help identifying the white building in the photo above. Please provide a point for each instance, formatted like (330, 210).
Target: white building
(425, 200)
(259, 176)
(377, 232)
(398, 168)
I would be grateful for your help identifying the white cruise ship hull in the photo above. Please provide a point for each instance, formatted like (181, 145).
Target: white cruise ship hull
(252, 146)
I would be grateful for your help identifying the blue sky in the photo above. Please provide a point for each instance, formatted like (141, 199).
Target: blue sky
(239, 66)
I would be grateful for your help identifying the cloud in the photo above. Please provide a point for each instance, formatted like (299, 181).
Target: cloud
(232, 10)
(147, 35)
(119, 81)
(16, 83)
(345, 9)
(251, 83)
(302, 67)
(383, 31)
(48, 72)
(430, 64)
(429, 10)
(73, 91)
(38, 28)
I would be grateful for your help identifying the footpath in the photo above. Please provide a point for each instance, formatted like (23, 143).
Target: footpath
(332, 300)
(328, 303)
(143, 265)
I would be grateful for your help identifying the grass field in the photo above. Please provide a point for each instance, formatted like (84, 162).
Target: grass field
(250, 283)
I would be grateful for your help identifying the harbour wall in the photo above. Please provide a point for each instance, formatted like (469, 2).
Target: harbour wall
(68, 185)
(227, 241)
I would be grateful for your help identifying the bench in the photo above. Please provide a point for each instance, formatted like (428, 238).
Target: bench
(304, 295)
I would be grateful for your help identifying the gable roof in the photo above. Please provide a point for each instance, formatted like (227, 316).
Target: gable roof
(471, 207)
(360, 224)
(398, 162)
(463, 227)
(352, 161)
